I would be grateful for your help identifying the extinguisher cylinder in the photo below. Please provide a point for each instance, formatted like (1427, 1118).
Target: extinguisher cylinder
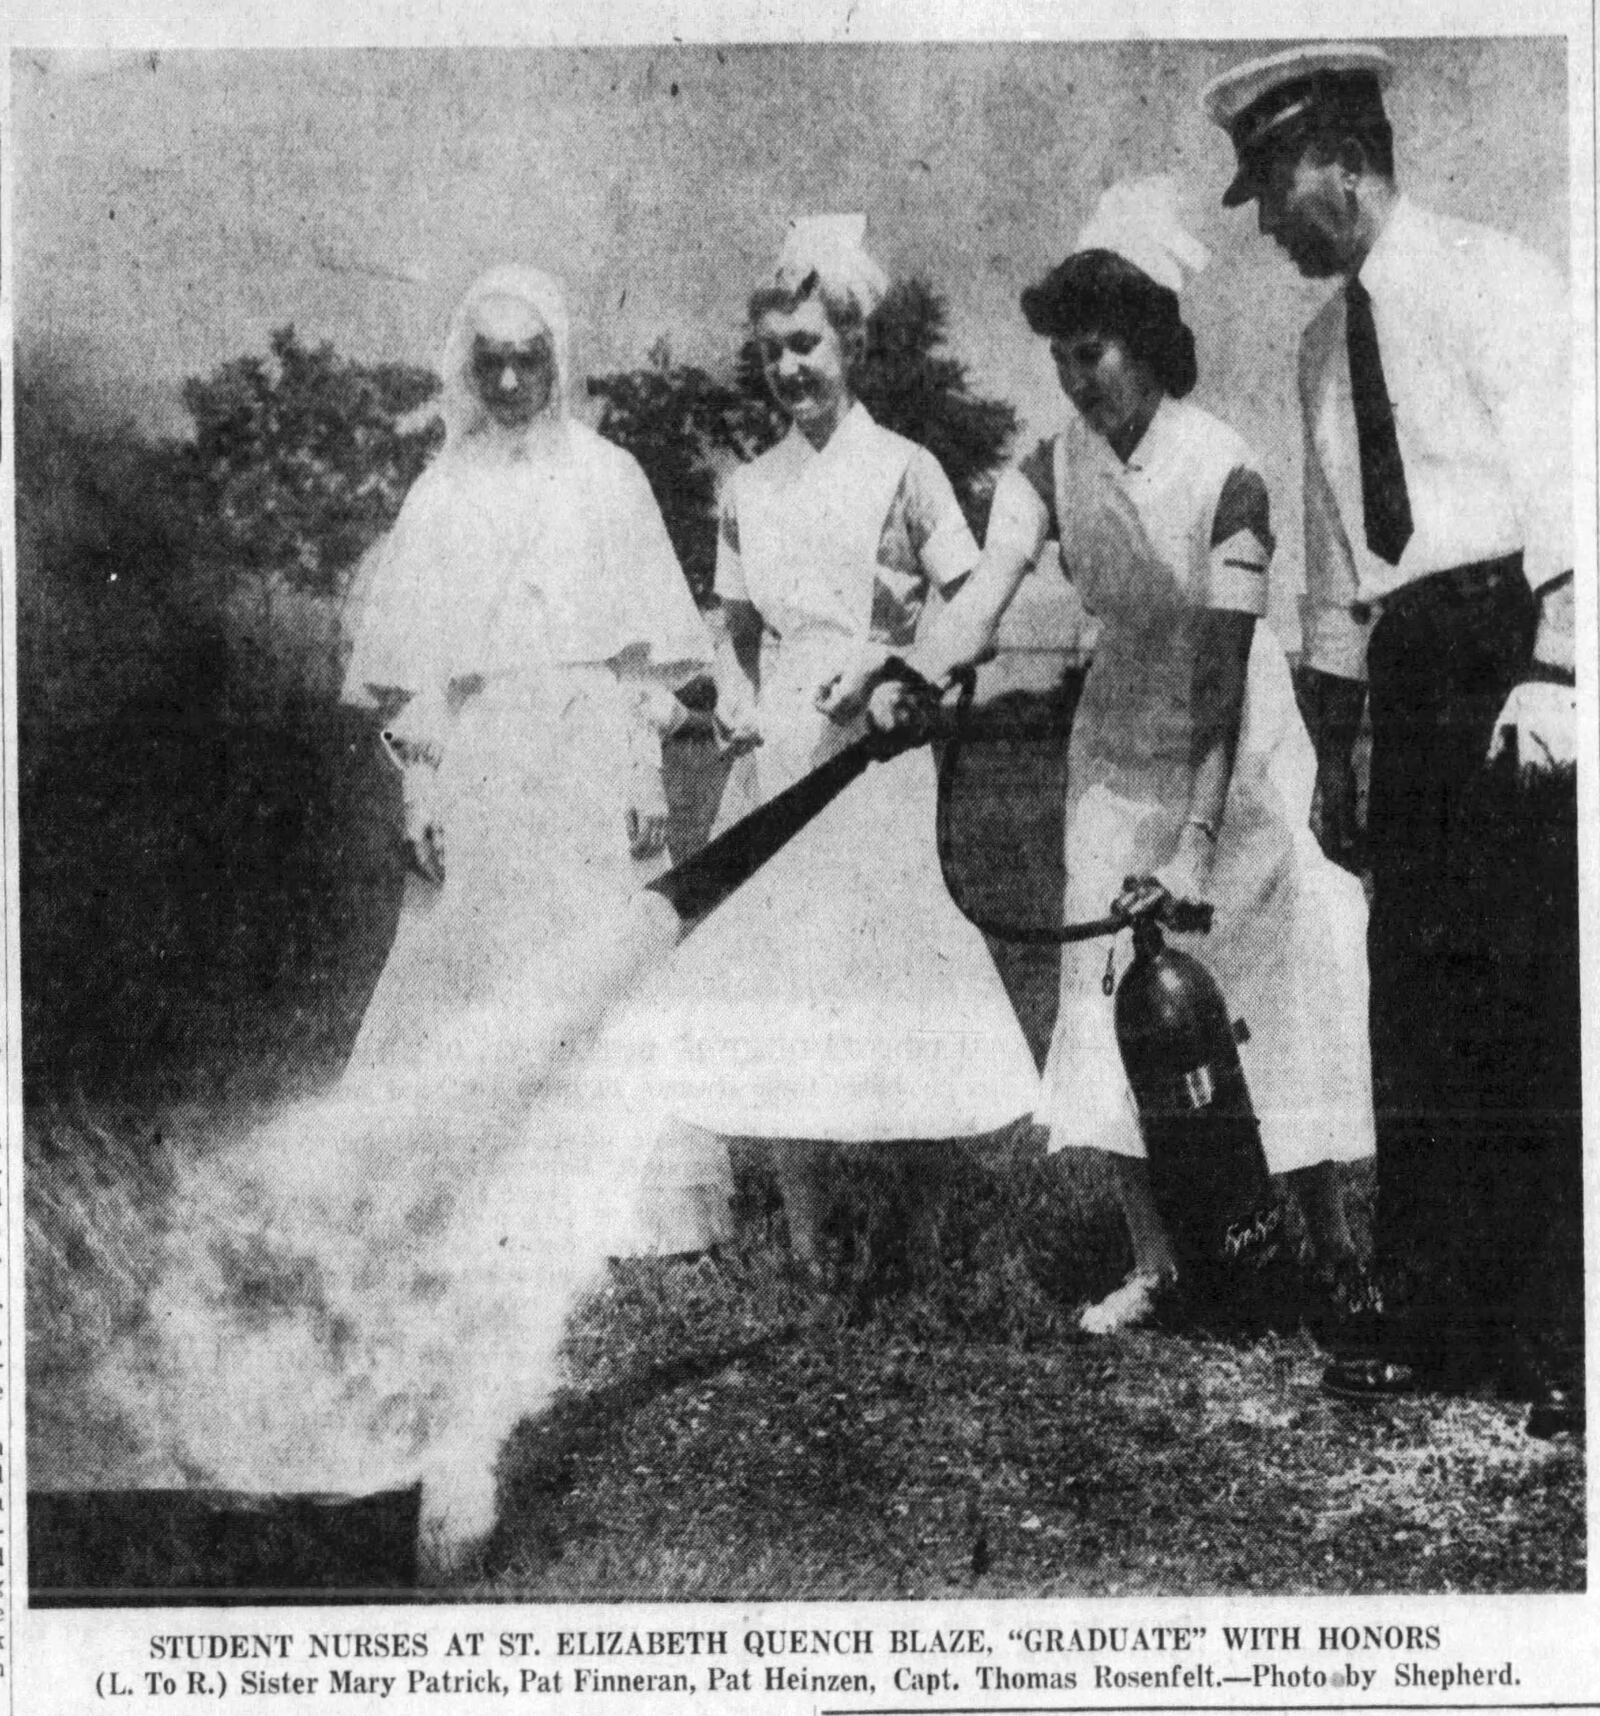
(1207, 1173)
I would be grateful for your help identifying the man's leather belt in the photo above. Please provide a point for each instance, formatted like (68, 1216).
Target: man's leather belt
(1455, 584)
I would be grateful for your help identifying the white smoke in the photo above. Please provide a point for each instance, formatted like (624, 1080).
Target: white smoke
(371, 1289)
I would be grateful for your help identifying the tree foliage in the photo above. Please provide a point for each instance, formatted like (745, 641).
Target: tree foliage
(185, 831)
(107, 609)
(911, 384)
(684, 427)
(300, 460)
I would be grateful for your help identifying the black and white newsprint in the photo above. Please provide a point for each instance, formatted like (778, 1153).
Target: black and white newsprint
(799, 826)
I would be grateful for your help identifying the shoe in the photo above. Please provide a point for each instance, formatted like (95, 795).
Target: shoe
(1551, 1389)
(1396, 1369)
(1557, 1411)
(1370, 1379)
(1134, 1305)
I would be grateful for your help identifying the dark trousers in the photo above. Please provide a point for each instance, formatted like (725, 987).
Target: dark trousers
(1466, 1029)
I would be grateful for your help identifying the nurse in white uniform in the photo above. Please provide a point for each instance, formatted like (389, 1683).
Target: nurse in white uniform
(839, 997)
(1188, 758)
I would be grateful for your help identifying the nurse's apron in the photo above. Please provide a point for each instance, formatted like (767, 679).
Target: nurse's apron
(1288, 940)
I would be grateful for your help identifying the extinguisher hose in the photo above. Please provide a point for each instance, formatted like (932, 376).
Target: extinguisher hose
(1001, 929)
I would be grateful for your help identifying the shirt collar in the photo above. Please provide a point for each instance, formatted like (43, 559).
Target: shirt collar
(1157, 438)
(855, 422)
(1386, 264)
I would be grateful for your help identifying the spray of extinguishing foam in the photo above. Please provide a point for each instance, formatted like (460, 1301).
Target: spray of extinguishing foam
(372, 1288)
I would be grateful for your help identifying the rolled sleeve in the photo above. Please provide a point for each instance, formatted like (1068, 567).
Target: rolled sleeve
(1241, 545)
(1019, 519)
(1236, 577)
(937, 527)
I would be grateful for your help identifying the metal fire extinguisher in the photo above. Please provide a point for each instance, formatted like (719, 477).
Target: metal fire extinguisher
(1179, 1048)
(1180, 1051)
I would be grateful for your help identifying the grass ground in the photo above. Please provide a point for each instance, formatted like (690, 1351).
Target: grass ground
(731, 1432)
(890, 1459)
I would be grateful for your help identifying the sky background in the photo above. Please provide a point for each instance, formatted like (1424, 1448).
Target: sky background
(169, 209)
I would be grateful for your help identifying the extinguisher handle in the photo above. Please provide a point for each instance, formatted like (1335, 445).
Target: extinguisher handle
(1187, 917)
(1144, 899)
(919, 711)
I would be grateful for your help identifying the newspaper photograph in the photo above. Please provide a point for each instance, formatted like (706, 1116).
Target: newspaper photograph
(795, 807)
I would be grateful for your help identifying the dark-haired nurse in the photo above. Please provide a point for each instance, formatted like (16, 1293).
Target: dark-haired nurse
(1188, 758)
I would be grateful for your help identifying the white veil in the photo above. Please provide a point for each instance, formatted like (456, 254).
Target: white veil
(513, 547)
(459, 405)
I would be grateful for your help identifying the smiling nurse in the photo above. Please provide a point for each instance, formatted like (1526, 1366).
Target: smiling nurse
(839, 997)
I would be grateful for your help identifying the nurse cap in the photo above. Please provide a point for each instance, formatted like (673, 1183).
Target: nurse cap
(831, 248)
(1138, 220)
(1266, 103)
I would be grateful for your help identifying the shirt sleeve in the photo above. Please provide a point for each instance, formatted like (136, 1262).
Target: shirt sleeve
(935, 523)
(1523, 340)
(1038, 470)
(1241, 544)
(1019, 517)
(728, 581)
(1334, 633)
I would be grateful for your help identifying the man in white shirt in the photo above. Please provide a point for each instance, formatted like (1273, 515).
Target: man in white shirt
(1436, 411)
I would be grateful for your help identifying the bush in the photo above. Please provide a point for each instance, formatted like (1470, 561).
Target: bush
(186, 843)
(110, 611)
(680, 423)
(300, 462)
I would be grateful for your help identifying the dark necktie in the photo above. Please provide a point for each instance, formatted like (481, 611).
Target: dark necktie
(1384, 501)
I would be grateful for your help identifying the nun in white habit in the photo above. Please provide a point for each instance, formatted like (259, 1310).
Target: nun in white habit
(523, 631)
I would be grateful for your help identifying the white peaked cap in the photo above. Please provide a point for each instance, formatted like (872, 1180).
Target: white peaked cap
(1138, 220)
(832, 247)
(1229, 97)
